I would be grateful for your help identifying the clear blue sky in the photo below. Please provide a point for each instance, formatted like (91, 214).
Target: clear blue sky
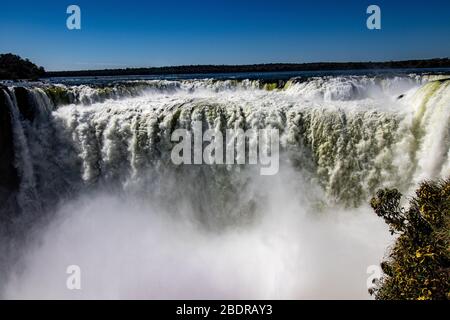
(134, 33)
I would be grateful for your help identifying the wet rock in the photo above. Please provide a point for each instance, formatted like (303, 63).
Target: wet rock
(24, 104)
(9, 181)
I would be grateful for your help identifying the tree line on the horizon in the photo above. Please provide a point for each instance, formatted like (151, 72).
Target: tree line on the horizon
(256, 68)
(13, 67)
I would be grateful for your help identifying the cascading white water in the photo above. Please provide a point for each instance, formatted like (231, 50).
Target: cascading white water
(27, 197)
(354, 142)
(431, 122)
(101, 157)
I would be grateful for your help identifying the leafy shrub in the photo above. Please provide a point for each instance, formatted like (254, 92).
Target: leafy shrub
(418, 265)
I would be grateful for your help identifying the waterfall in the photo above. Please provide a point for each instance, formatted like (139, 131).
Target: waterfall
(27, 196)
(87, 178)
(351, 134)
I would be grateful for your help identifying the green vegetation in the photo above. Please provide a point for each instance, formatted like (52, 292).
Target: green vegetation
(418, 265)
(13, 67)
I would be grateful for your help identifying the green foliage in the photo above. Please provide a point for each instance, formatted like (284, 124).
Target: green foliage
(418, 265)
(13, 67)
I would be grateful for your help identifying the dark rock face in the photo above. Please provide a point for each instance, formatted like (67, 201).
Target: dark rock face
(9, 180)
(24, 104)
